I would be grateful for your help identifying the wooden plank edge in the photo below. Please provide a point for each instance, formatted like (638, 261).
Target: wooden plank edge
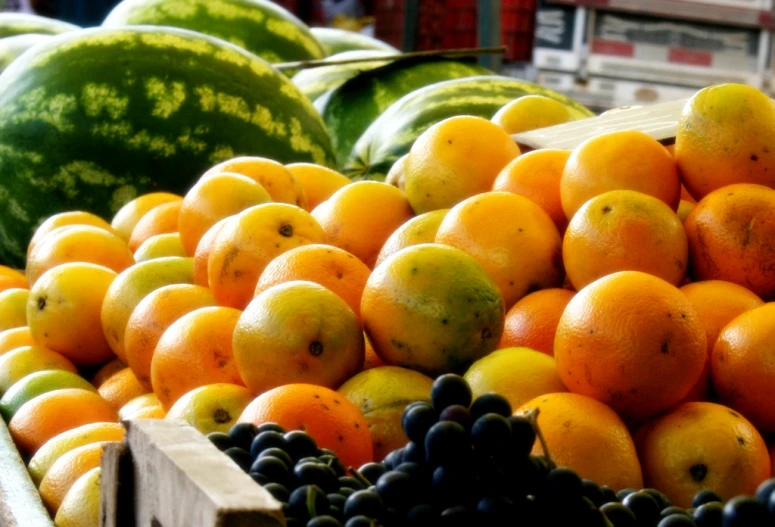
(116, 487)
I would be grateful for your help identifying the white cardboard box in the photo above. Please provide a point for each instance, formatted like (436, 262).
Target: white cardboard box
(559, 37)
(562, 82)
(759, 5)
(622, 92)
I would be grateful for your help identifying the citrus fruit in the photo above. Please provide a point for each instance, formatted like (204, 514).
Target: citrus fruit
(699, 446)
(623, 160)
(20, 362)
(371, 359)
(13, 308)
(65, 472)
(432, 308)
(420, 229)
(194, 351)
(632, 341)
(127, 217)
(38, 383)
(120, 388)
(588, 437)
(212, 408)
(511, 237)
(148, 412)
(161, 219)
(12, 279)
(77, 217)
(455, 159)
(13, 338)
(139, 403)
(684, 209)
(81, 505)
(279, 182)
(396, 174)
(530, 112)
(319, 182)
(532, 321)
(160, 246)
(333, 421)
(202, 253)
(624, 230)
(106, 371)
(381, 394)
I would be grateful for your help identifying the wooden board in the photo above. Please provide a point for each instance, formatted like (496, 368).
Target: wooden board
(660, 121)
(20, 503)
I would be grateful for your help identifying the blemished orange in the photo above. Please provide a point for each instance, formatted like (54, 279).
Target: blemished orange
(731, 235)
(623, 160)
(511, 237)
(530, 112)
(120, 388)
(455, 159)
(588, 437)
(624, 230)
(280, 182)
(66, 470)
(202, 253)
(212, 408)
(12, 279)
(536, 175)
(213, 198)
(532, 322)
(723, 138)
(702, 446)
(329, 266)
(161, 219)
(632, 341)
(351, 221)
(319, 182)
(13, 308)
(326, 415)
(127, 217)
(420, 229)
(151, 318)
(297, 331)
(52, 413)
(78, 243)
(20, 362)
(63, 312)
(196, 350)
(77, 217)
(245, 246)
(106, 371)
(13, 338)
(742, 368)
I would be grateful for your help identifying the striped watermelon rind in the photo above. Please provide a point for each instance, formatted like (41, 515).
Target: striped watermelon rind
(20, 23)
(314, 82)
(92, 118)
(260, 26)
(12, 47)
(393, 133)
(338, 40)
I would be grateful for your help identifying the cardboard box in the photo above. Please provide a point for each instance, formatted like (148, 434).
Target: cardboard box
(758, 5)
(559, 81)
(559, 37)
(621, 92)
(675, 52)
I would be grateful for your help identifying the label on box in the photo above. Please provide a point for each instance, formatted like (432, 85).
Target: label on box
(558, 81)
(617, 92)
(559, 36)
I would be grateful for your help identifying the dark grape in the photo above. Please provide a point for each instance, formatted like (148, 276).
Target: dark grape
(491, 433)
(417, 420)
(273, 468)
(349, 481)
(619, 514)
(413, 469)
(771, 504)
(360, 521)
(372, 471)
(626, 492)
(745, 511)
(449, 389)
(242, 434)
(307, 502)
(259, 478)
(667, 511)
(324, 521)
(270, 427)
(457, 516)
(609, 495)
(265, 440)
(300, 444)
(397, 489)
(220, 440)
(705, 496)
(421, 515)
(645, 507)
(763, 491)
(279, 454)
(393, 459)
(240, 457)
(523, 435)
(336, 500)
(317, 474)
(335, 463)
(451, 484)
(491, 403)
(279, 492)
(496, 510)
(563, 485)
(592, 491)
(364, 502)
(314, 460)
(676, 520)
(414, 453)
(445, 443)
(325, 452)
(709, 515)
(459, 414)
(662, 500)
(346, 491)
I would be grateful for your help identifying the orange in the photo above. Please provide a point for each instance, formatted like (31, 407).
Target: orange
(127, 217)
(536, 175)
(55, 412)
(151, 318)
(160, 246)
(194, 351)
(530, 112)
(632, 341)
(213, 198)
(202, 253)
(685, 196)
(81, 504)
(455, 159)
(13, 308)
(20, 362)
(684, 209)
(120, 388)
(319, 182)
(297, 332)
(12, 279)
(78, 243)
(511, 237)
(624, 160)
(360, 217)
(327, 416)
(280, 182)
(432, 308)
(624, 230)
(63, 312)
(149, 412)
(395, 175)
(141, 403)
(699, 446)
(212, 408)
(161, 219)
(13, 338)
(34, 384)
(420, 229)
(588, 437)
(66, 470)
(106, 371)
(62, 219)
(532, 322)
(331, 267)
(723, 138)
(731, 237)
(742, 367)
(246, 245)
(371, 359)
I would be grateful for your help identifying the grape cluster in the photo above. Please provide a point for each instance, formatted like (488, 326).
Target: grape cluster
(467, 463)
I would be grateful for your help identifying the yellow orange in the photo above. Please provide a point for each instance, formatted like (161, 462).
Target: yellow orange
(81, 505)
(120, 388)
(14, 338)
(13, 308)
(280, 182)
(161, 219)
(532, 322)
(530, 112)
(319, 182)
(213, 407)
(12, 279)
(65, 472)
(62, 219)
(160, 246)
(420, 229)
(127, 217)
(20, 362)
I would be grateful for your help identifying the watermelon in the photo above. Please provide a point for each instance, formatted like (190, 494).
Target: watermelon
(92, 118)
(392, 135)
(349, 109)
(339, 40)
(314, 82)
(12, 47)
(20, 23)
(259, 26)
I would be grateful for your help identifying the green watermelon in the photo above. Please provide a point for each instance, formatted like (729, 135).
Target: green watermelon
(20, 23)
(314, 82)
(12, 47)
(259, 26)
(349, 109)
(339, 40)
(92, 118)
(392, 135)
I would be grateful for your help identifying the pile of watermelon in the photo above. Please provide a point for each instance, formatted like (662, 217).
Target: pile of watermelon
(92, 117)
